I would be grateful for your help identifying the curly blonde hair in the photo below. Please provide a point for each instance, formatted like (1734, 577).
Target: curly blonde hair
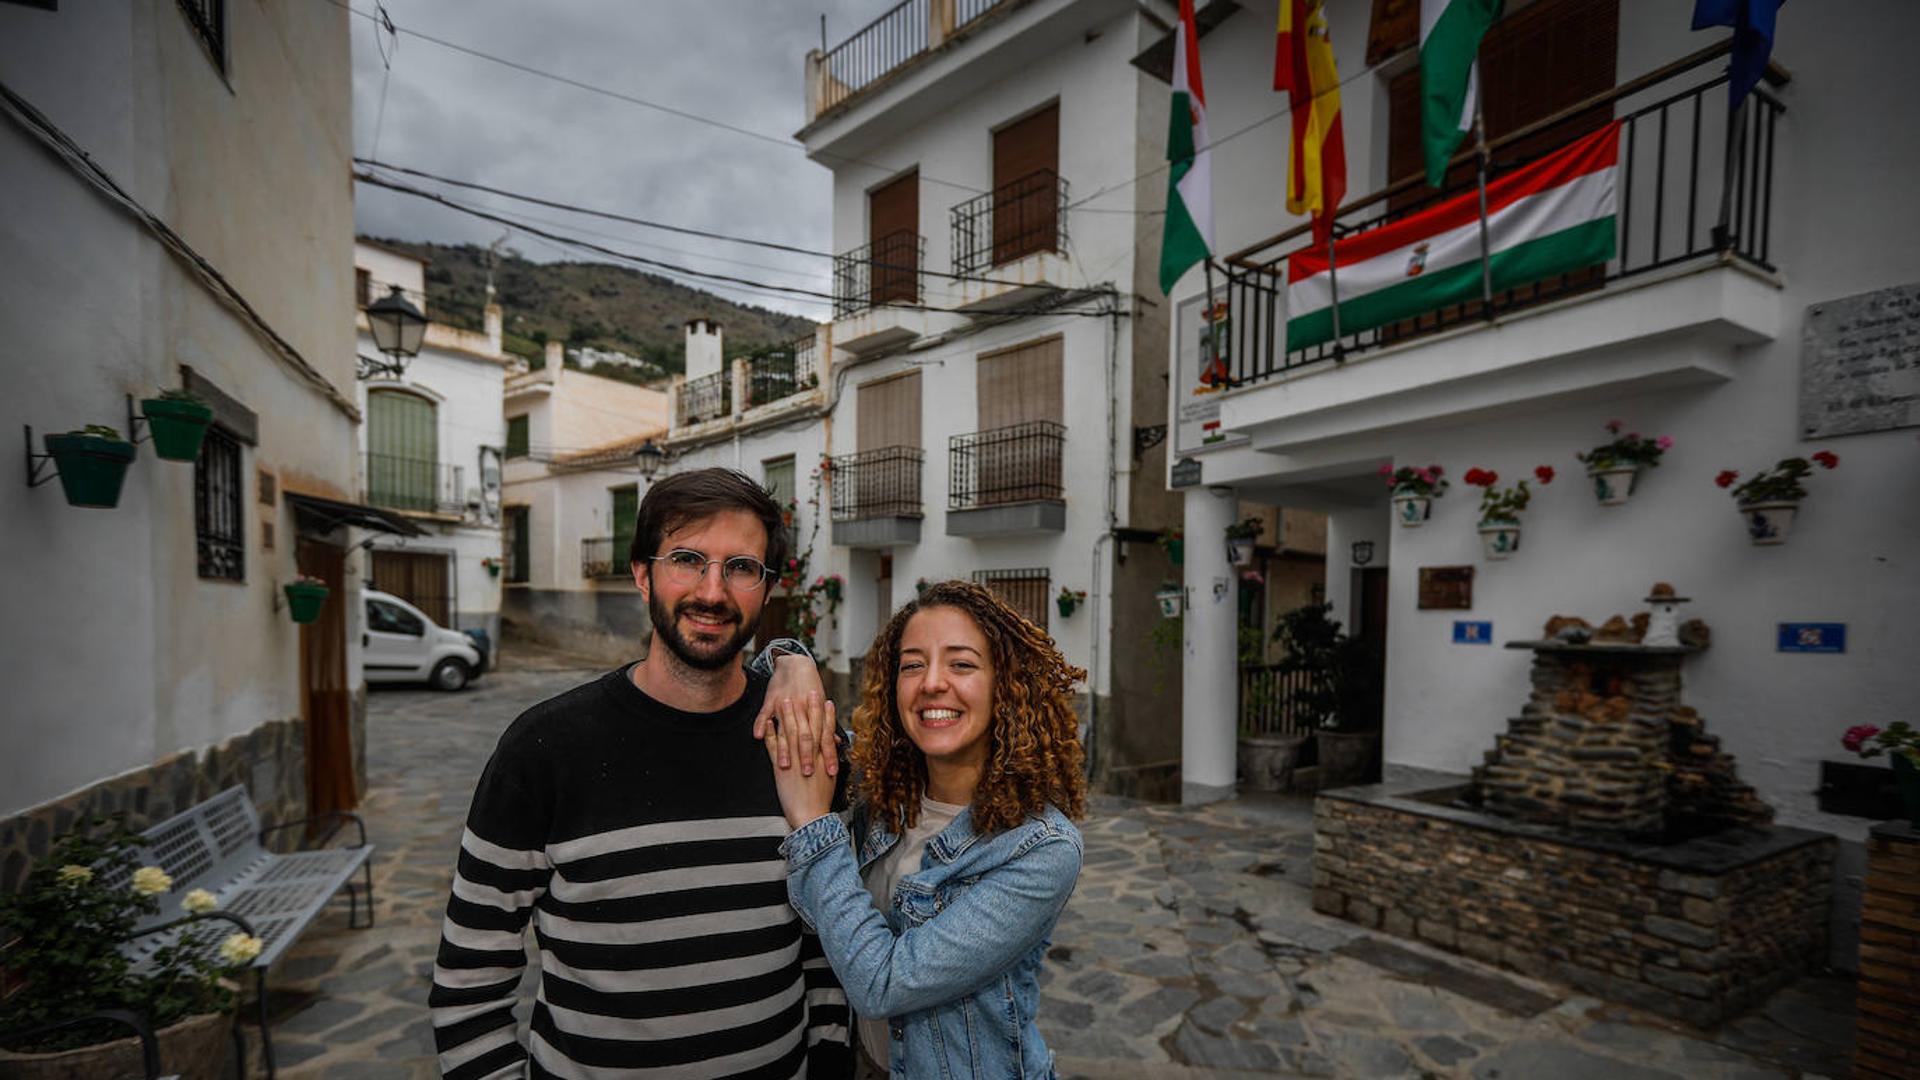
(1033, 738)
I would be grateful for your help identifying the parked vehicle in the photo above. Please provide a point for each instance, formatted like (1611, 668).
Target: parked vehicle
(402, 645)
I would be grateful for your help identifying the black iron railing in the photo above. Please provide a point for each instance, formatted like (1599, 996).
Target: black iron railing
(1692, 184)
(1012, 221)
(877, 483)
(886, 271)
(420, 485)
(1270, 701)
(901, 34)
(708, 397)
(600, 557)
(1016, 463)
(781, 371)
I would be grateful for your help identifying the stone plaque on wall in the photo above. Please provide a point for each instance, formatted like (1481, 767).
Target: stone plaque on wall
(1446, 587)
(1860, 363)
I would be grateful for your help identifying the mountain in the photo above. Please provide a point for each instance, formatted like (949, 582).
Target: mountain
(587, 304)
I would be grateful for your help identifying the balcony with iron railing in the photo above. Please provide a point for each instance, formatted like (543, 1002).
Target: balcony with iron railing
(697, 401)
(601, 557)
(875, 497)
(777, 373)
(415, 485)
(877, 293)
(1007, 480)
(878, 52)
(1010, 244)
(1692, 256)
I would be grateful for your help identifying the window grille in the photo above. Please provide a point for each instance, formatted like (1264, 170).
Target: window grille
(218, 529)
(1024, 590)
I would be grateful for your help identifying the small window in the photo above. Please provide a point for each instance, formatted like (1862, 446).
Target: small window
(362, 286)
(218, 529)
(393, 619)
(516, 436)
(519, 545)
(1025, 591)
(626, 510)
(779, 474)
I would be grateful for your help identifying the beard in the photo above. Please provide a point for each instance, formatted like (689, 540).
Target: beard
(703, 655)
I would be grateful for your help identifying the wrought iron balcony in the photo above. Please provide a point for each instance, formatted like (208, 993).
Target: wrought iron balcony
(898, 37)
(1692, 185)
(782, 371)
(885, 271)
(877, 483)
(416, 485)
(1016, 463)
(708, 397)
(601, 557)
(1025, 217)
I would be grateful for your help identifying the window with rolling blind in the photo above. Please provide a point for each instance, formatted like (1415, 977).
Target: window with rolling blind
(1026, 166)
(1015, 454)
(1023, 590)
(887, 412)
(403, 445)
(883, 478)
(893, 235)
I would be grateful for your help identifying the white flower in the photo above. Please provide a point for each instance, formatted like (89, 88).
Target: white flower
(199, 902)
(74, 876)
(240, 948)
(151, 881)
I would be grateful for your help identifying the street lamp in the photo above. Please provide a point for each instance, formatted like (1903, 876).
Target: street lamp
(650, 458)
(398, 331)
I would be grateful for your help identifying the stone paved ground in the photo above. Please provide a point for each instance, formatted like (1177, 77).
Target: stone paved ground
(1190, 949)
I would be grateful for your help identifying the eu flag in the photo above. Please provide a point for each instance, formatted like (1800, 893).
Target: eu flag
(1752, 22)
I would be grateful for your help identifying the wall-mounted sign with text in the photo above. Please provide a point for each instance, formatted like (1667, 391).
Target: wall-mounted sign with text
(1860, 363)
(1824, 637)
(1203, 336)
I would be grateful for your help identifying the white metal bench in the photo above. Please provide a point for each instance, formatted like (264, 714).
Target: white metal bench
(220, 846)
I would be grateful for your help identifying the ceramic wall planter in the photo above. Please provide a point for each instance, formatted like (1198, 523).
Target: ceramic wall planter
(1613, 486)
(1240, 550)
(178, 427)
(196, 1048)
(1067, 606)
(305, 601)
(1769, 522)
(1170, 598)
(91, 468)
(1412, 511)
(1499, 539)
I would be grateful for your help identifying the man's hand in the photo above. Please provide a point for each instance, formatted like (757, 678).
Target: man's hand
(804, 795)
(796, 682)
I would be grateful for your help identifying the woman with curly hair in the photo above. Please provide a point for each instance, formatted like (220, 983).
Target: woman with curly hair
(934, 903)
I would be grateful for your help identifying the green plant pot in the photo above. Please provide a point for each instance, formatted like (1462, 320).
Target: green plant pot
(177, 426)
(493, 569)
(1907, 775)
(305, 601)
(91, 468)
(1066, 607)
(1177, 551)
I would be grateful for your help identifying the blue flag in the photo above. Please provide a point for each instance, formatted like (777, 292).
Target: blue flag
(1752, 22)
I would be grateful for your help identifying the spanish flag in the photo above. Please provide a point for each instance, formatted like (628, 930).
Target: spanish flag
(1303, 67)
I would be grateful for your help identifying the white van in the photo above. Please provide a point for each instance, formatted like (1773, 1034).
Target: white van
(402, 645)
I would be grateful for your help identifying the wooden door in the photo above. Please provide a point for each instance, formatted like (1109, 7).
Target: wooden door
(418, 577)
(1026, 165)
(893, 230)
(324, 703)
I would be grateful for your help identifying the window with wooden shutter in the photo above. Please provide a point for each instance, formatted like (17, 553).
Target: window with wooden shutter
(887, 415)
(1015, 454)
(626, 508)
(1026, 166)
(888, 412)
(1025, 591)
(1020, 384)
(516, 436)
(402, 450)
(893, 235)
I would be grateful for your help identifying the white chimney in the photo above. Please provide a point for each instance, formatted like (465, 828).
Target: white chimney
(556, 357)
(493, 321)
(703, 348)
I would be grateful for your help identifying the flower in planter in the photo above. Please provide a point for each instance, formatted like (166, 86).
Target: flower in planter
(308, 581)
(1504, 504)
(1870, 741)
(1629, 451)
(1782, 483)
(1246, 530)
(1427, 480)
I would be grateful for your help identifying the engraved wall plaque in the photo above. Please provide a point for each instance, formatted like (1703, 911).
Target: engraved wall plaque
(1860, 363)
(1446, 588)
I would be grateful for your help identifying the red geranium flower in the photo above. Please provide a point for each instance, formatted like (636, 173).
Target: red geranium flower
(1726, 478)
(1857, 735)
(1827, 459)
(1479, 477)
(1544, 473)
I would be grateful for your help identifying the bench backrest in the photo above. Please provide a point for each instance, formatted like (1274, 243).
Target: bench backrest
(205, 846)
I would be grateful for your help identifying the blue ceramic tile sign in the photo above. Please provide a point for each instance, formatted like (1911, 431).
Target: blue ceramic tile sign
(1825, 637)
(1472, 633)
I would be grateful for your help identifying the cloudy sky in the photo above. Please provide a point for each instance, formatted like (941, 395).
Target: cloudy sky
(734, 61)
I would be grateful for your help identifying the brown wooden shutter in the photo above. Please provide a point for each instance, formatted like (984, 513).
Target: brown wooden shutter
(893, 230)
(1026, 164)
(888, 412)
(1020, 384)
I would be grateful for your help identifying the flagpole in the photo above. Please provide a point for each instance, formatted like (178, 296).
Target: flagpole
(1486, 250)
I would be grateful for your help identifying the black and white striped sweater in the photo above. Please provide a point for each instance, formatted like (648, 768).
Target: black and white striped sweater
(643, 842)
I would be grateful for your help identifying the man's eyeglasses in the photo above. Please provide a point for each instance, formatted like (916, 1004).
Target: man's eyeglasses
(684, 566)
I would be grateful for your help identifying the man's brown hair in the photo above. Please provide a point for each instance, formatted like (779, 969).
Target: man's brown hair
(675, 500)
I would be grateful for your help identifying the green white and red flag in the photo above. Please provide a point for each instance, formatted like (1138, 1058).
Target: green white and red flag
(1188, 234)
(1551, 217)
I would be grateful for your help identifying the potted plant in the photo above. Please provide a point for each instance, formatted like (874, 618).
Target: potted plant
(921, 586)
(92, 463)
(305, 597)
(1335, 690)
(72, 914)
(1900, 741)
(1414, 488)
(1769, 499)
(492, 564)
(1500, 509)
(1172, 599)
(178, 420)
(1068, 600)
(1173, 542)
(1615, 466)
(1240, 538)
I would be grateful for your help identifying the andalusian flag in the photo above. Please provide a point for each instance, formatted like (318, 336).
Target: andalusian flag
(1188, 238)
(1553, 216)
(1303, 67)
(1450, 33)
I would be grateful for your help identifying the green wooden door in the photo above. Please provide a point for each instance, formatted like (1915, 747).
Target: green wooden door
(626, 508)
(402, 450)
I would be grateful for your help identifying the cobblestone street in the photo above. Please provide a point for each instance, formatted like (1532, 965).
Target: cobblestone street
(1190, 949)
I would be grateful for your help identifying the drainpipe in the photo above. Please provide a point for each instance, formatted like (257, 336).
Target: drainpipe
(1091, 741)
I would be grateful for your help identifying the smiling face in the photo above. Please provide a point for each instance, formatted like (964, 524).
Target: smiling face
(705, 624)
(944, 687)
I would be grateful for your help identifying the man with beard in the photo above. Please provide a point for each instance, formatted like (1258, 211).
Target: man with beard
(635, 821)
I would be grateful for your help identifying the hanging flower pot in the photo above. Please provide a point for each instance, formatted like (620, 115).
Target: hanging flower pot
(305, 597)
(1069, 601)
(1499, 539)
(1170, 598)
(92, 464)
(1769, 522)
(1412, 511)
(178, 424)
(492, 565)
(1613, 485)
(1240, 550)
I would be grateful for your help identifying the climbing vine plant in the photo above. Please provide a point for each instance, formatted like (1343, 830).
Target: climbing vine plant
(804, 598)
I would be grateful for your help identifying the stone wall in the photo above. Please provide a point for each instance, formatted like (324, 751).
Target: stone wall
(1699, 931)
(1888, 999)
(270, 762)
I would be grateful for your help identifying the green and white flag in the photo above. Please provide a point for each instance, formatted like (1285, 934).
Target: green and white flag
(1188, 237)
(1450, 33)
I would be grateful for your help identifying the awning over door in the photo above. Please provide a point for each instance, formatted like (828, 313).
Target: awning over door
(328, 513)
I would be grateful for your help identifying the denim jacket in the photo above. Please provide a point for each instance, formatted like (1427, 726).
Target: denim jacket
(955, 962)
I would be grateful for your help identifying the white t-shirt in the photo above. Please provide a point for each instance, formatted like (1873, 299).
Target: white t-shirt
(899, 861)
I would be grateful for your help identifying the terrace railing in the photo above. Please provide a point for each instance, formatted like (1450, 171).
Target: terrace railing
(1016, 463)
(1692, 183)
(900, 35)
(877, 483)
(781, 372)
(1014, 220)
(885, 271)
(708, 397)
(600, 557)
(417, 485)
